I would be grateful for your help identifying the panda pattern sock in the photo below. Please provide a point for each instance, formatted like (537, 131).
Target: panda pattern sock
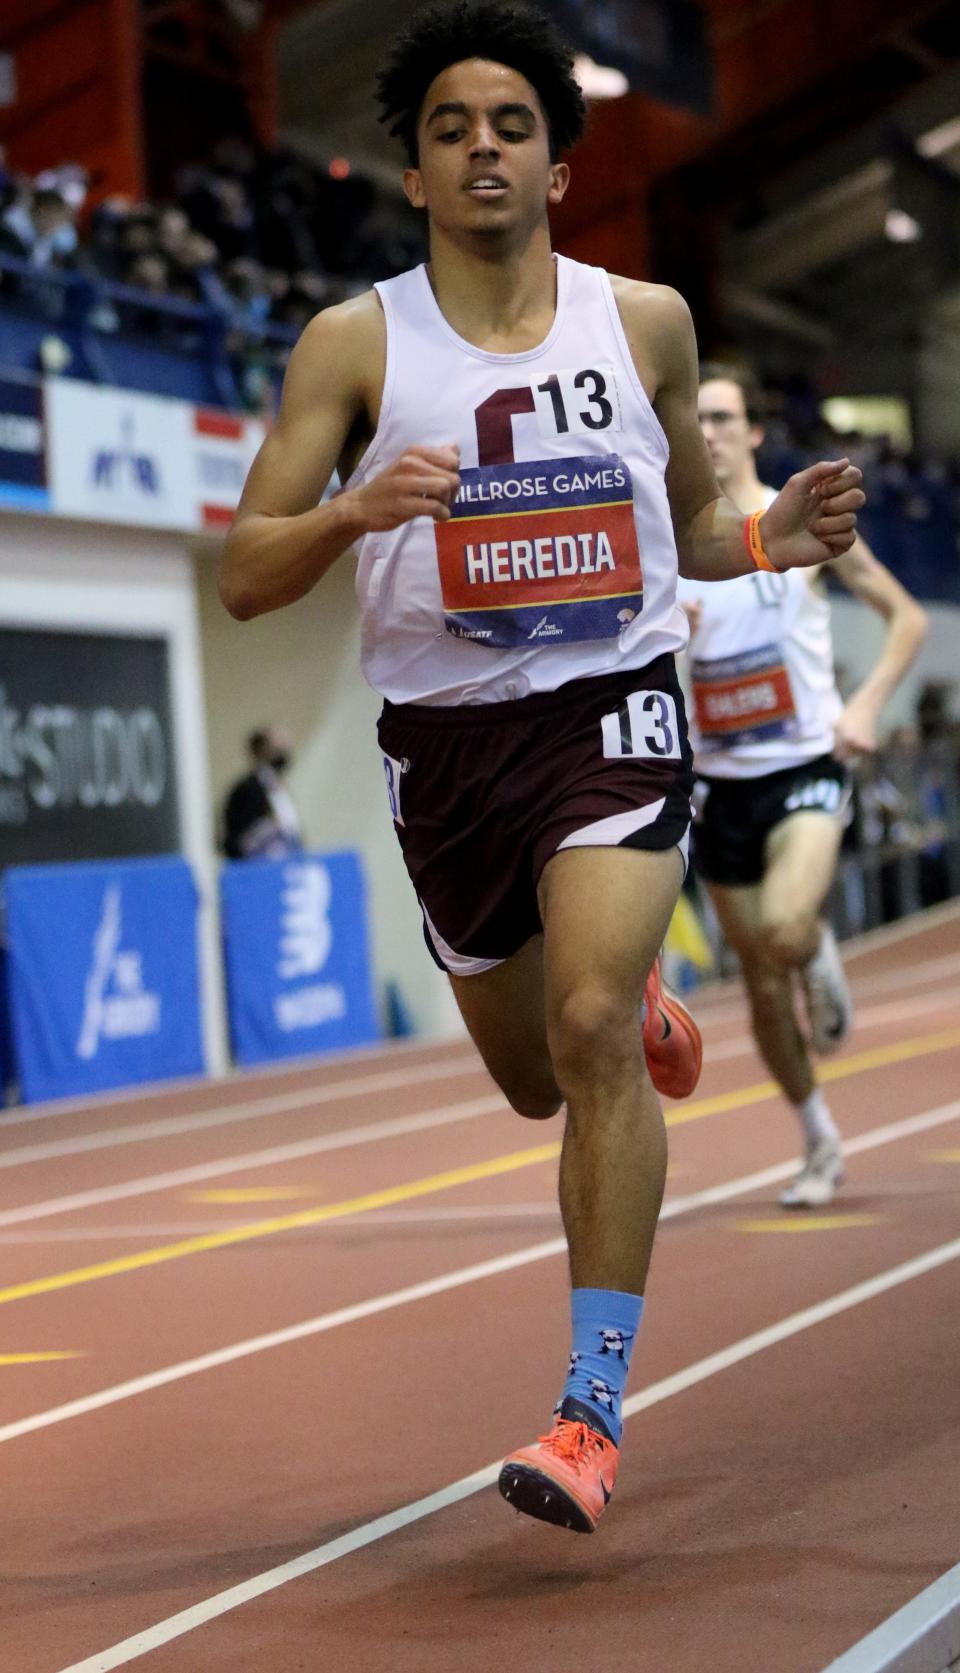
(605, 1323)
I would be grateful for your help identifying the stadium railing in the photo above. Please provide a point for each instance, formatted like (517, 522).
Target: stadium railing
(180, 348)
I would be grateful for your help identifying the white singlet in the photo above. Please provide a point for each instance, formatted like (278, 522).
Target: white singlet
(761, 668)
(559, 561)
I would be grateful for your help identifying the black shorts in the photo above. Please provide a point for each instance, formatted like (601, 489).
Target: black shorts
(736, 815)
(483, 795)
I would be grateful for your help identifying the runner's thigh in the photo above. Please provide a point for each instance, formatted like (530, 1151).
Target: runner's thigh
(504, 1011)
(739, 912)
(801, 856)
(605, 913)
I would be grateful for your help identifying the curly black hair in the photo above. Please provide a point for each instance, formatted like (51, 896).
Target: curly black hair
(518, 36)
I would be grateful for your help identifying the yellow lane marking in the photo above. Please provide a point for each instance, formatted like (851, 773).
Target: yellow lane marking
(253, 1193)
(879, 1058)
(813, 1223)
(283, 1223)
(448, 1181)
(38, 1358)
(943, 1155)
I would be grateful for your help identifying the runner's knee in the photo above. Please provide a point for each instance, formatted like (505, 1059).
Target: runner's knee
(531, 1091)
(593, 1035)
(787, 939)
(534, 1103)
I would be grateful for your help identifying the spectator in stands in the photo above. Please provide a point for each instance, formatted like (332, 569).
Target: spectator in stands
(44, 227)
(71, 180)
(260, 819)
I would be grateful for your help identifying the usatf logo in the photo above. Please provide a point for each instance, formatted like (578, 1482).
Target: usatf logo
(115, 467)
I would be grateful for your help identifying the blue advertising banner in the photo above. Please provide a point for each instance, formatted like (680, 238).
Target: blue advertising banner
(23, 466)
(103, 978)
(6, 1049)
(298, 964)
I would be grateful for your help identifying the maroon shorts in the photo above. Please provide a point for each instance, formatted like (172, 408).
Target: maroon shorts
(483, 795)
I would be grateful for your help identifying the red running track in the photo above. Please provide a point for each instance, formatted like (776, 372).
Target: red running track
(296, 1304)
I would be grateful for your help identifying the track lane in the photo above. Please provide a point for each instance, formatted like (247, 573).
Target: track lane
(258, 1458)
(281, 1476)
(300, 1274)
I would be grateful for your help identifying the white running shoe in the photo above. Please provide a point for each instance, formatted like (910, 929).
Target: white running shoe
(819, 1177)
(827, 996)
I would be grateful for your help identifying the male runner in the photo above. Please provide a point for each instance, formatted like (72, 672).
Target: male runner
(517, 437)
(771, 739)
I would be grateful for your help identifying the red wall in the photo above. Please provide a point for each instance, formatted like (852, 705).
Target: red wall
(77, 66)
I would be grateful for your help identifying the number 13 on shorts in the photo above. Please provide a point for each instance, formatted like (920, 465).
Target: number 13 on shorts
(644, 726)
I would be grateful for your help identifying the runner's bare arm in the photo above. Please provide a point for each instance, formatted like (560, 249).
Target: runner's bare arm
(812, 519)
(868, 580)
(282, 541)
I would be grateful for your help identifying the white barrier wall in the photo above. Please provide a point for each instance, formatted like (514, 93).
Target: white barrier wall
(858, 634)
(82, 577)
(300, 668)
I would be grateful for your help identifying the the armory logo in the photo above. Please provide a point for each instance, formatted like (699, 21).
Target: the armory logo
(116, 1004)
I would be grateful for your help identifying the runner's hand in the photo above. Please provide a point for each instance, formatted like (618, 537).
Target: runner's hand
(693, 610)
(423, 482)
(856, 729)
(813, 518)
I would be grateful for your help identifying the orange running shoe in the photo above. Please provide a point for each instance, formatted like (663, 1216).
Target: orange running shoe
(566, 1477)
(671, 1040)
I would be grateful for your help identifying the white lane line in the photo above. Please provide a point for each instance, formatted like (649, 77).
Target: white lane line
(376, 1217)
(279, 1338)
(865, 1017)
(387, 1081)
(672, 1209)
(163, 1632)
(742, 1045)
(340, 1140)
(716, 1005)
(731, 1001)
(237, 1079)
(887, 935)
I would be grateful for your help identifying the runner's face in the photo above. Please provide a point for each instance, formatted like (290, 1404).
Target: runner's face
(727, 431)
(484, 154)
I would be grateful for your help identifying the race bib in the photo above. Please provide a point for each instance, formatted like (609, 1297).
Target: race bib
(541, 553)
(743, 699)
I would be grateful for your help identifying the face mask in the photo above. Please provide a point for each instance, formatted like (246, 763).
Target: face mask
(279, 760)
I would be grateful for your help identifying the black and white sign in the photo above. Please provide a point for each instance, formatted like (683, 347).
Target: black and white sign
(87, 763)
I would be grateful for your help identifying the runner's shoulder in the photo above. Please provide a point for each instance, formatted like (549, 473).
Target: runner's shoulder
(650, 307)
(346, 342)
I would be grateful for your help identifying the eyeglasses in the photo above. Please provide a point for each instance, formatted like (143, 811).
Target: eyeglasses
(720, 420)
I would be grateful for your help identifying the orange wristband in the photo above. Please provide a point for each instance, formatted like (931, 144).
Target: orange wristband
(754, 545)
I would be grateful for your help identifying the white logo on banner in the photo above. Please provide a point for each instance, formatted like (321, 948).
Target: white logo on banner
(116, 1005)
(306, 938)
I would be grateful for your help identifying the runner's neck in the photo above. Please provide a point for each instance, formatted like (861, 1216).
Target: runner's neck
(503, 303)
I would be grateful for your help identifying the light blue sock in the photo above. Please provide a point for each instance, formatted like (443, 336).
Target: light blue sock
(605, 1323)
